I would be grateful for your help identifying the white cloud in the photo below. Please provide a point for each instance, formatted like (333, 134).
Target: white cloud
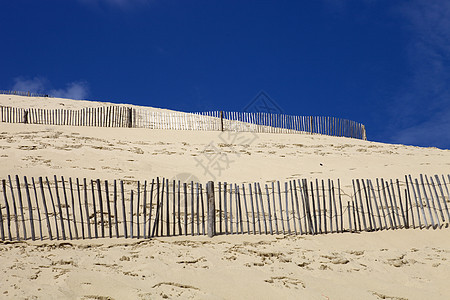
(74, 90)
(34, 85)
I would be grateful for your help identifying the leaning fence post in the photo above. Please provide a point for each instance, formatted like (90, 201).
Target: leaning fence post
(130, 117)
(211, 209)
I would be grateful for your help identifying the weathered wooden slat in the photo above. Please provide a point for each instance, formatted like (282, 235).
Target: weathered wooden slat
(274, 209)
(314, 206)
(8, 213)
(67, 207)
(239, 207)
(334, 205)
(324, 207)
(156, 222)
(246, 208)
(180, 232)
(124, 212)
(16, 215)
(361, 210)
(211, 209)
(417, 204)
(174, 207)
(220, 198)
(81, 209)
(54, 208)
(410, 205)
(19, 194)
(144, 210)
(185, 208)
(116, 216)
(203, 210)
(349, 216)
(231, 207)
(2, 230)
(281, 207)
(138, 196)
(192, 208)
(369, 207)
(340, 206)
(443, 196)
(252, 207)
(100, 204)
(37, 208)
(131, 215)
(94, 208)
(390, 218)
(49, 229)
(307, 207)
(225, 207)
(108, 207)
(30, 211)
(355, 203)
(148, 233)
(298, 209)
(426, 199)
(161, 214)
(197, 207)
(74, 218)
(392, 206)
(405, 222)
(371, 190)
(268, 207)
(437, 197)
(421, 203)
(259, 193)
(167, 208)
(319, 214)
(395, 207)
(293, 208)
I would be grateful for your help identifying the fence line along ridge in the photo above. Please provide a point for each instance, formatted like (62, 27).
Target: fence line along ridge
(121, 116)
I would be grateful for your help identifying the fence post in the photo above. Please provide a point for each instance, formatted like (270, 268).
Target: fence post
(211, 209)
(130, 117)
(25, 117)
(221, 120)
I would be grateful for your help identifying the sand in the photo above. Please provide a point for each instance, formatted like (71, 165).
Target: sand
(402, 264)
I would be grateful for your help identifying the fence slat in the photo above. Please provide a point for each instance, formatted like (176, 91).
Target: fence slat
(268, 208)
(74, 218)
(37, 208)
(86, 207)
(67, 207)
(108, 207)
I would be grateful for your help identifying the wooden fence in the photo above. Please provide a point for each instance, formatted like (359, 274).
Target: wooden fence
(62, 209)
(121, 116)
(19, 93)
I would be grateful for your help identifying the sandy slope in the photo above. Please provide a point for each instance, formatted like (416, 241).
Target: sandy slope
(410, 264)
(407, 264)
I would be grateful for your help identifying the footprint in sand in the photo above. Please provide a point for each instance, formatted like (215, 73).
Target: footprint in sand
(168, 290)
(382, 296)
(285, 282)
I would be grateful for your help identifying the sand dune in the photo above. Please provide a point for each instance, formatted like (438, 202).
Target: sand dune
(402, 264)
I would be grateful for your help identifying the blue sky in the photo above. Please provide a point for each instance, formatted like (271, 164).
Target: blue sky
(383, 63)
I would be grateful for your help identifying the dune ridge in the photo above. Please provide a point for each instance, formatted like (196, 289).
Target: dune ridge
(388, 264)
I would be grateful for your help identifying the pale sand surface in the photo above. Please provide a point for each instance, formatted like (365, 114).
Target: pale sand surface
(410, 264)
(404, 264)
